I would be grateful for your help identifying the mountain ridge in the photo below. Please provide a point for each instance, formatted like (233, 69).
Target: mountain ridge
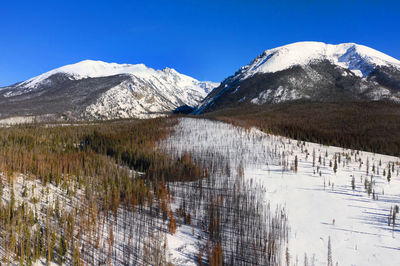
(91, 90)
(310, 71)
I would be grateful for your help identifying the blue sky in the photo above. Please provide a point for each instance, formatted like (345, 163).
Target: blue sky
(206, 39)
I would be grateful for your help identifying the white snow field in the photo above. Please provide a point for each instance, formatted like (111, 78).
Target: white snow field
(321, 205)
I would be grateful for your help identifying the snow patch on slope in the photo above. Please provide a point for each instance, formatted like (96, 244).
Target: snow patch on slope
(147, 97)
(281, 94)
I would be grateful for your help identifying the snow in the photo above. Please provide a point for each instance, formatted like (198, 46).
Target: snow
(183, 245)
(319, 207)
(355, 57)
(145, 93)
(350, 58)
(43, 262)
(95, 69)
(281, 94)
(146, 98)
(17, 120)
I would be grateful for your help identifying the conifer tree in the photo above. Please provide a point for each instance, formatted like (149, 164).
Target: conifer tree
(313, 156)
(335, 166)
(330, 263)
(62, 249)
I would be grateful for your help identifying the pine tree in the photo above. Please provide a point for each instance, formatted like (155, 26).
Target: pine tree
(76, 257)
(335, 166)
(330, 263)
(63, 248)
(313, 158)
(172, 223)
(287, 256)
(200, 257)
(216, 255)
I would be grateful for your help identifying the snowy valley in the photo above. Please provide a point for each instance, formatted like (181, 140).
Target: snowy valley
(225, 188)
(247, 198)
(353, 206)
(200, 133)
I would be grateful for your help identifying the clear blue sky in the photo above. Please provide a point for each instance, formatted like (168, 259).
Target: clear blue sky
(206, 39)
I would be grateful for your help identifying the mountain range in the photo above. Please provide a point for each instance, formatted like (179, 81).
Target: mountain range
(303, 71)
(310, 71)
(91, 90)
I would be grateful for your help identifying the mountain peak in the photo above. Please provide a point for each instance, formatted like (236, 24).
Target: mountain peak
(358, 58)
(92, 69)
(93, 89)
(312, 71)
(170, 70)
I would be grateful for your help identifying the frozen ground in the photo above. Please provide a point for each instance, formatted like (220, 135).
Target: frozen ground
(320, 203)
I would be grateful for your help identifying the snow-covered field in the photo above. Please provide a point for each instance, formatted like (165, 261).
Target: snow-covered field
(262, 196)
(322, 205)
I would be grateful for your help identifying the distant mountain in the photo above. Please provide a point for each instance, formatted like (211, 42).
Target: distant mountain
(311, 71)
(92, 90)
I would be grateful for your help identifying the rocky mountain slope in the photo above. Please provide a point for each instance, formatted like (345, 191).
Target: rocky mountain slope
(311, 71)
(92, 90)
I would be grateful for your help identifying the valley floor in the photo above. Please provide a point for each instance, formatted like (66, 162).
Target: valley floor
(332, 219)
(265, 200)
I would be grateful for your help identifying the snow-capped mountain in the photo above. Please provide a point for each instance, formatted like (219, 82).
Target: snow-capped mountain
(99, 90)
(310, 71)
